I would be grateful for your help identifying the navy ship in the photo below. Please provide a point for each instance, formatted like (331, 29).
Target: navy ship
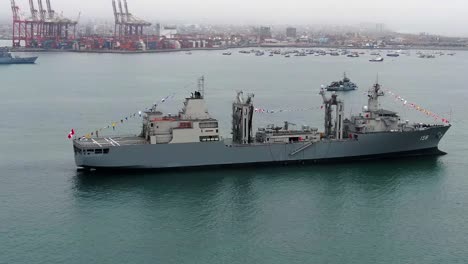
(7, 58)
(341, 86)
(192, 138)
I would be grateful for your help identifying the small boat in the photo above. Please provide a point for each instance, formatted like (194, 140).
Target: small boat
(287, 56)
(7, 58)
(343, 85)
(259, 53)
(426, 56)
(377, 59)
(353, 55)
(334, 53)
(393, 54)
(188, 53)
(374, 53)
(227, 53)
(244, 51)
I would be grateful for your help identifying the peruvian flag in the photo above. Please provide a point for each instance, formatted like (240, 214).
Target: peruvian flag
(71, 134)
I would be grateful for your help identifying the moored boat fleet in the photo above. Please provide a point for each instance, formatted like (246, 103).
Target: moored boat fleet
(375, 55)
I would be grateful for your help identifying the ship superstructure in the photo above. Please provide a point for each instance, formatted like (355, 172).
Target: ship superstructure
(192, 137)
(192, 124)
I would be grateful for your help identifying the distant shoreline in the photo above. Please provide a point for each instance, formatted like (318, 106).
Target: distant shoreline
(263, 46)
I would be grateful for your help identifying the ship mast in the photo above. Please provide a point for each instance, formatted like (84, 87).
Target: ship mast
(201, 86)
(373, 97)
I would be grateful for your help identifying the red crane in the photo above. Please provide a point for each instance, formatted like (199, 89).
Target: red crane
(19, 26)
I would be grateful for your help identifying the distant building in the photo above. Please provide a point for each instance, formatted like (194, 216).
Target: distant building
(89, 30)
(265, 33)
(291, 32)
(380, 27)
(157, 29)
(168, 31)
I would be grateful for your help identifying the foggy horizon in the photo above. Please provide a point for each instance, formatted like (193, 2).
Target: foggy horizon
(417, 16)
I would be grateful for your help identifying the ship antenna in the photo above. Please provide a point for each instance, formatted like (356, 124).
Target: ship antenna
(450, 114)
(201, 86)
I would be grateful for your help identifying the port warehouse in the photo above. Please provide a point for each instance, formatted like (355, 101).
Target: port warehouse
(44, 28)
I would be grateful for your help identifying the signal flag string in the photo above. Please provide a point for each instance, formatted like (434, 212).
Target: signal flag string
(397, 98)
(417, 107)
(114, 124)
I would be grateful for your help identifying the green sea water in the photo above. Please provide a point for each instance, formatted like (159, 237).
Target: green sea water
(398, 211)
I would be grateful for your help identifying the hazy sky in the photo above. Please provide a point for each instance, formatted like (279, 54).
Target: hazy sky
(446, 17)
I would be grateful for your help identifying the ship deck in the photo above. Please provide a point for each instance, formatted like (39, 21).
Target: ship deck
(103, 142)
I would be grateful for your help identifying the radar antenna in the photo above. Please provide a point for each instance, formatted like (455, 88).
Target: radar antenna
(286, 125)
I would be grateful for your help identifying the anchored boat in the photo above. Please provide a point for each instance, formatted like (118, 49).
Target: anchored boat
(377, 59)
(7, 58)
(342, 85)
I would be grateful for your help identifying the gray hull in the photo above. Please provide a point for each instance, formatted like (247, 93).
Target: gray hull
(160, 156)
(342, 89)
(28, 60)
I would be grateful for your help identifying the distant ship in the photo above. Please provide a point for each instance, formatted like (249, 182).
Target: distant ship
(7, 58)
(342, 86)
(192, 138)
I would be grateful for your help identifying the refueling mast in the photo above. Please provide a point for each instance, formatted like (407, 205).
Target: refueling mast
(242, 119)
(333, 130)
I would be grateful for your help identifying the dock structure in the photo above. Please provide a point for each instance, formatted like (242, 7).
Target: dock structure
(41, 26)
(126, 24)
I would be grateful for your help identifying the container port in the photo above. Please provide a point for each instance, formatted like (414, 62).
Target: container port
(41, 28)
